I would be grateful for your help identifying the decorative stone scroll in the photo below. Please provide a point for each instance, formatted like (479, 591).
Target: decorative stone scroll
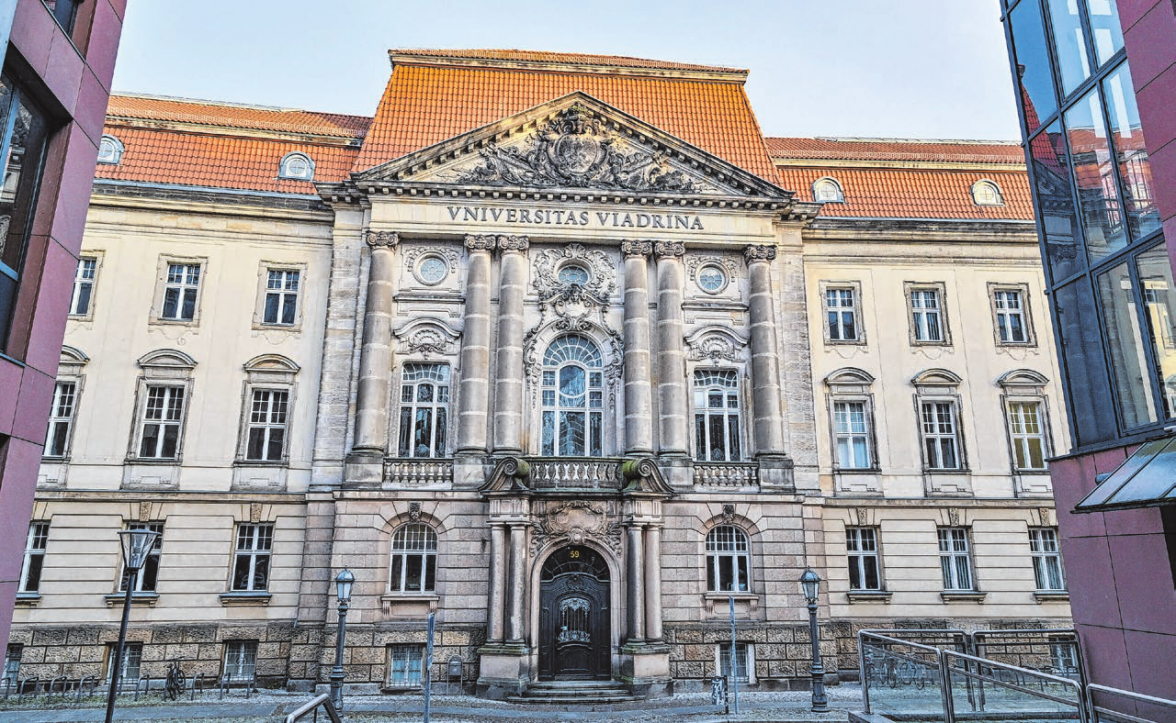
(714, 344)
(514, 243)
(636, 248)
(670, 249)
(387, 239)
(481, 242)
(601, 272)
(575, 522)
(759, 253)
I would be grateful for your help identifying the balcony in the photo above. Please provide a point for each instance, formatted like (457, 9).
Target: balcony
(726, 475)
(417, 473)
(576, 473)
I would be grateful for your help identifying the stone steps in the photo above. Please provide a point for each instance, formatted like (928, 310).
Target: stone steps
(575, 692)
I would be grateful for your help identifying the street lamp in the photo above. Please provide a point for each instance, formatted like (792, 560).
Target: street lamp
(136, 545)
(343, 583)
(810, 583)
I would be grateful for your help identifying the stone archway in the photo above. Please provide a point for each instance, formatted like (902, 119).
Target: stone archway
(574, 616)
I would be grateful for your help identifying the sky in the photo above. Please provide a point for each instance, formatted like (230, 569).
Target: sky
(857, 68)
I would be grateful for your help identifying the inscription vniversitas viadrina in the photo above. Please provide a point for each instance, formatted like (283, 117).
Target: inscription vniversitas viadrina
(562, 217)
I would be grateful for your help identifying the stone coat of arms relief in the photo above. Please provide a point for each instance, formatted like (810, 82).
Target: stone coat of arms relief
(574, 522)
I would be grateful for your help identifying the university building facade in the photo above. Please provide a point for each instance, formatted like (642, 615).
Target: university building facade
(558, 347)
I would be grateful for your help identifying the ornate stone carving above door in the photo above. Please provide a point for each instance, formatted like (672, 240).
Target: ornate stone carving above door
(575, 522)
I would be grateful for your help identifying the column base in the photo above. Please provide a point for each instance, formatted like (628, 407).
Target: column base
(505, 670)
(364, 468)
(775, 472)
(645, 669)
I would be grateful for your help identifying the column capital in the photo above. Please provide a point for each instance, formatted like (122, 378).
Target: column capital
(670, 249)
(480, 242)
(376, 239)
(759, 253)
(636, 248)
(514, 243)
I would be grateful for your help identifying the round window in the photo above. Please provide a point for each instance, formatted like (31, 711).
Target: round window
(432, 270)
(573, 275)
(712, 279)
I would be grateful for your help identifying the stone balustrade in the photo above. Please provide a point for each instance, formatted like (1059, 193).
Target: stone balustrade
(726, 475)
(417, 472)
(576, 473)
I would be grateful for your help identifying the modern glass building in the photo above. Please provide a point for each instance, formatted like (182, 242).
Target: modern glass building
(1096, 80)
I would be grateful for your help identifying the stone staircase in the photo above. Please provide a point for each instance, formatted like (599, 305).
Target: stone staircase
(574, 692)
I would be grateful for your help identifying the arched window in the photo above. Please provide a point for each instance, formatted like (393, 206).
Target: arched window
(424, 410)
(297, 167)
(986, 193)
(728, 560)
(716, 415)
(110, 150)
(414, 559)
(828, 190)
(573, 398)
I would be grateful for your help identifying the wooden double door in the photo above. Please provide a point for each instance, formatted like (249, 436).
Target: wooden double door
(574, 631)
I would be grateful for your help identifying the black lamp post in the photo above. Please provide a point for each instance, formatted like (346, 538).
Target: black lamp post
(136, 545)
(343, 583)
(810, 582)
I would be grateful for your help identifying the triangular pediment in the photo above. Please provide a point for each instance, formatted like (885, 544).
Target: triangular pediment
(574, 143)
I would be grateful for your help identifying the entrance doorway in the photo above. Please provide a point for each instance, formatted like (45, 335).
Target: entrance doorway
(574, 631)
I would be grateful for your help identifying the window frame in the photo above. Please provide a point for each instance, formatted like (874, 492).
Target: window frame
(253, 552)
(284, 173)
(1014, 438)
(155, 555)
(855, 288)
(58, 422)
(38, 533)
(266, 427)
(10, 673)
(263, 291)
(713, 560)
(1037, 551)
(956, 436)
(117, 149)
(436, 410)
(952, 570)
(78, 281)
(162, 285)
(910, 288)
(130, 649)
(862, 555)
(735, 449)
(398, 559)
(867, 435)
(550, 384)
(142, 422)
(1026, 314)
(839, 195)
(246, 650)
(408, 649)
(998, 194)
(723, 659)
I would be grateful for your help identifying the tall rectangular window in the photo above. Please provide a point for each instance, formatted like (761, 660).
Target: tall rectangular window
(841, 314)
(940, 440)
(405, 664)
(34, 557)
(1028, 435)
(163, 416)
(926, 318)
(424, 410)
(955, 558)
(852, 435)
(716, 415)
(148, 575)
(861, 545)
(281, 297)
(1010, 316)
(24, 132)
(83, 286)
(741, 661)
(180, 292)
(60, 419)
(267, 425)
(1047, 558)
(11, 672)
(240, 659)
(251, 564)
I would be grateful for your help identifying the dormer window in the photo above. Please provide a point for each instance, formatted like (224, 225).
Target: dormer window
(828, 190)
(110, 150)
(987, 193)
(297, 167)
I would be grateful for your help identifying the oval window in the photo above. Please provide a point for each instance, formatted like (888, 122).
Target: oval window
(712, 279)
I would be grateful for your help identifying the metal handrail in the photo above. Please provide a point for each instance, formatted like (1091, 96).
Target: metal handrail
(946, 669)
(862, 635)
(1095, 711)
(978, 635)
(324, 702)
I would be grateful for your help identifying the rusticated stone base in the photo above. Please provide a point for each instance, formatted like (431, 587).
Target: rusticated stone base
(781, 654)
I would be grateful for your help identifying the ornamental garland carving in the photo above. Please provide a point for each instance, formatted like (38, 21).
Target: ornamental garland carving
(578, 149)
(576, 521)
(376, 239)
(601, 277)
(714, 344)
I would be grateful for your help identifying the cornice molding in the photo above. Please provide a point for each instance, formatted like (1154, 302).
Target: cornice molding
(729, 75)
(114, 122)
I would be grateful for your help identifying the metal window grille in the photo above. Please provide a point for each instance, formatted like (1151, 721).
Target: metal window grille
(424, 410)
(728, 560)
(955, 559)
(861, 544)
(414, 559)
(925, 314)
(131, 665)
(741, 661)
(240, 659)
(405, 665)
(252, 561)
(573, 399)
(851, 433)
(1047, 558)
(1028, 435)
(267, 425)
(163, 414)
(940, 440)
(83, 286)
(716, 415)
(34, 557)
(841, 313)
(60, 419)
(281, 297)
(179, 292)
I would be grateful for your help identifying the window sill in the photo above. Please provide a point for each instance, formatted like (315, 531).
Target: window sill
(857, 470)
(261, 463)
(748, 599)
(415, 601)
(1051, 596)
(169, 462)
(932, 344)
(28, 599)
(137, 598)
(882, 596)
(845, 342)
(245, 598)
(963, 596)
(401, 689)
(175, 322)
(1042, 472)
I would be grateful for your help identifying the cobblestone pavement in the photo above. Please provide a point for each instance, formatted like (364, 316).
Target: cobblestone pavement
(271, 708)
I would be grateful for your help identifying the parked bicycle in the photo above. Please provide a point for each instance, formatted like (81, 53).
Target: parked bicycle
(176, 682)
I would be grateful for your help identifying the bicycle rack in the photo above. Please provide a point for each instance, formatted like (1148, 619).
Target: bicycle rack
(82, 686)
(196, 683)
(53, 683)
(21, 685)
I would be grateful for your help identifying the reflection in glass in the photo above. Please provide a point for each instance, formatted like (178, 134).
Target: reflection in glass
(1104, 25)
(1033, 67)
(572, 423)
(1070, 43)
(1125, 344)
(1134, 167)
(1055, 201)
(1155, 278)
(1098, 192)
(1084, 365)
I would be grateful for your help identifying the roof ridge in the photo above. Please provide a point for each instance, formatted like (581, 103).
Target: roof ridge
(519, 56)
(911, 141)
(232, 104)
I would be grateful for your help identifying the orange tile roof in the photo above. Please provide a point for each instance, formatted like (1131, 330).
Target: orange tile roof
(876, 149)
(538, 56)
(426, 104)
(234, 116)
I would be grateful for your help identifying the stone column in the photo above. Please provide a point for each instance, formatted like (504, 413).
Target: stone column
(516, 633)
(653, 602)
(375, 356)
(508, 388)
(638, 392)
(636, 575)
(473, 394)
(768, 424)
(673, 435)
(497, 582)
